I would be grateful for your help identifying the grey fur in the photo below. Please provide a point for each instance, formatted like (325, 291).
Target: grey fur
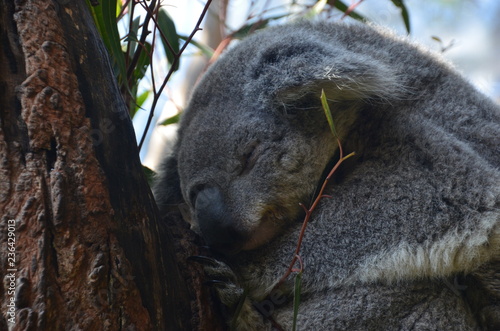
(413, 215)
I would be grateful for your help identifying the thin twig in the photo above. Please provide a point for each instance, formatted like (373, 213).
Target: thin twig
(130, 23)
(309, 211)
(162, 35)
(142, 41)
(351, 9)
(157, 94)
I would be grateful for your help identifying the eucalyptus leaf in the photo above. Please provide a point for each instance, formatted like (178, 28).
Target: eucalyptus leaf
(132, 37)
(404, 13)
(251, 27)
(205, 50)
(150, 174)
(139, 101)
(316, 9)
(171, 40)
(142, 63)
(108, 16)
(171, 120)
(328, 113)
(343, 8)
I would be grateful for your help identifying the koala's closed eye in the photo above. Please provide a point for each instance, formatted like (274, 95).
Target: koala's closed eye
(250, 156)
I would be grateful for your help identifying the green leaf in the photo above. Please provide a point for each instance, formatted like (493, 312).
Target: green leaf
(315, 9)
(171, 120)
(94, 10)
(142, 98)
(343, 8)
(404, 13)
(132, 36)
(149, 174)
(296, 298)
(106, 14)
(205, 50)
(328, 113)
(142, 63)
(171, 43)
(139, 101)
(252, 27)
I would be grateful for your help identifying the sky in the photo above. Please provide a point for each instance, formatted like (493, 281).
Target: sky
(471, 25)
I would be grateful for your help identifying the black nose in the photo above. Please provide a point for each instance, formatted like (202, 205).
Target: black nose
(216, 224)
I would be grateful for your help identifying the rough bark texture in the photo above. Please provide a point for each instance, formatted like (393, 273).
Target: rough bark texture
(90, 252)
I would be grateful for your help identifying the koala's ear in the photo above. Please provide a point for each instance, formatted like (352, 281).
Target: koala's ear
(166, 188)
(305, 70)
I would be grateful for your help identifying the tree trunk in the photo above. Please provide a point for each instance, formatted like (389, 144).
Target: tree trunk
(82, 246)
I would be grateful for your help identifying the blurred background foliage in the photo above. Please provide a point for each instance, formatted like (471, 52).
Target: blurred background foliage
(159, 48)
(134, 30)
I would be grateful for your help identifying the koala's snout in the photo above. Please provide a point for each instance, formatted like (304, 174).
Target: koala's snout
(215, 223)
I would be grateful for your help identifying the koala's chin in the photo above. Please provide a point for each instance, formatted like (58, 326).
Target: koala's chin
(262, 235)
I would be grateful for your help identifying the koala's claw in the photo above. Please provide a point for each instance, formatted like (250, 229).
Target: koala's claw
(204, 260)
(222, 279)
(238, 306)
(214, 282)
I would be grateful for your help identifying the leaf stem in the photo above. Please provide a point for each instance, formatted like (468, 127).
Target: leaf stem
(309, 211)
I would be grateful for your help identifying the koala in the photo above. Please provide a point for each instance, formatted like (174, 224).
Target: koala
(407, 234)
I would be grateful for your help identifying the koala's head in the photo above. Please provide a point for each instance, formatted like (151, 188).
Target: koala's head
(254, 140)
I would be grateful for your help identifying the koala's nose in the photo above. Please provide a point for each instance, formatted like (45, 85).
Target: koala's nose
(217, 227)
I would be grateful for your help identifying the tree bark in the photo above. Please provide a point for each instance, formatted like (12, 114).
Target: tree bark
(82, 246)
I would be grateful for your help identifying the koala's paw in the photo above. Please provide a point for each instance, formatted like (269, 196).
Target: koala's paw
(223, 280)
(241, 314)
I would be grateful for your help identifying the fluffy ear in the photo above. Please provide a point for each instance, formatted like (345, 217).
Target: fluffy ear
(286, 72)
(349, 79)
(167, 190)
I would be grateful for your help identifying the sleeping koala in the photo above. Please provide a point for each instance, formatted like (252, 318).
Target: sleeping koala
(409, 235)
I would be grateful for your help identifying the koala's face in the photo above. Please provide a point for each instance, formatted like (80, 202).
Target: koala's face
(244, 164)
(244, 176)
